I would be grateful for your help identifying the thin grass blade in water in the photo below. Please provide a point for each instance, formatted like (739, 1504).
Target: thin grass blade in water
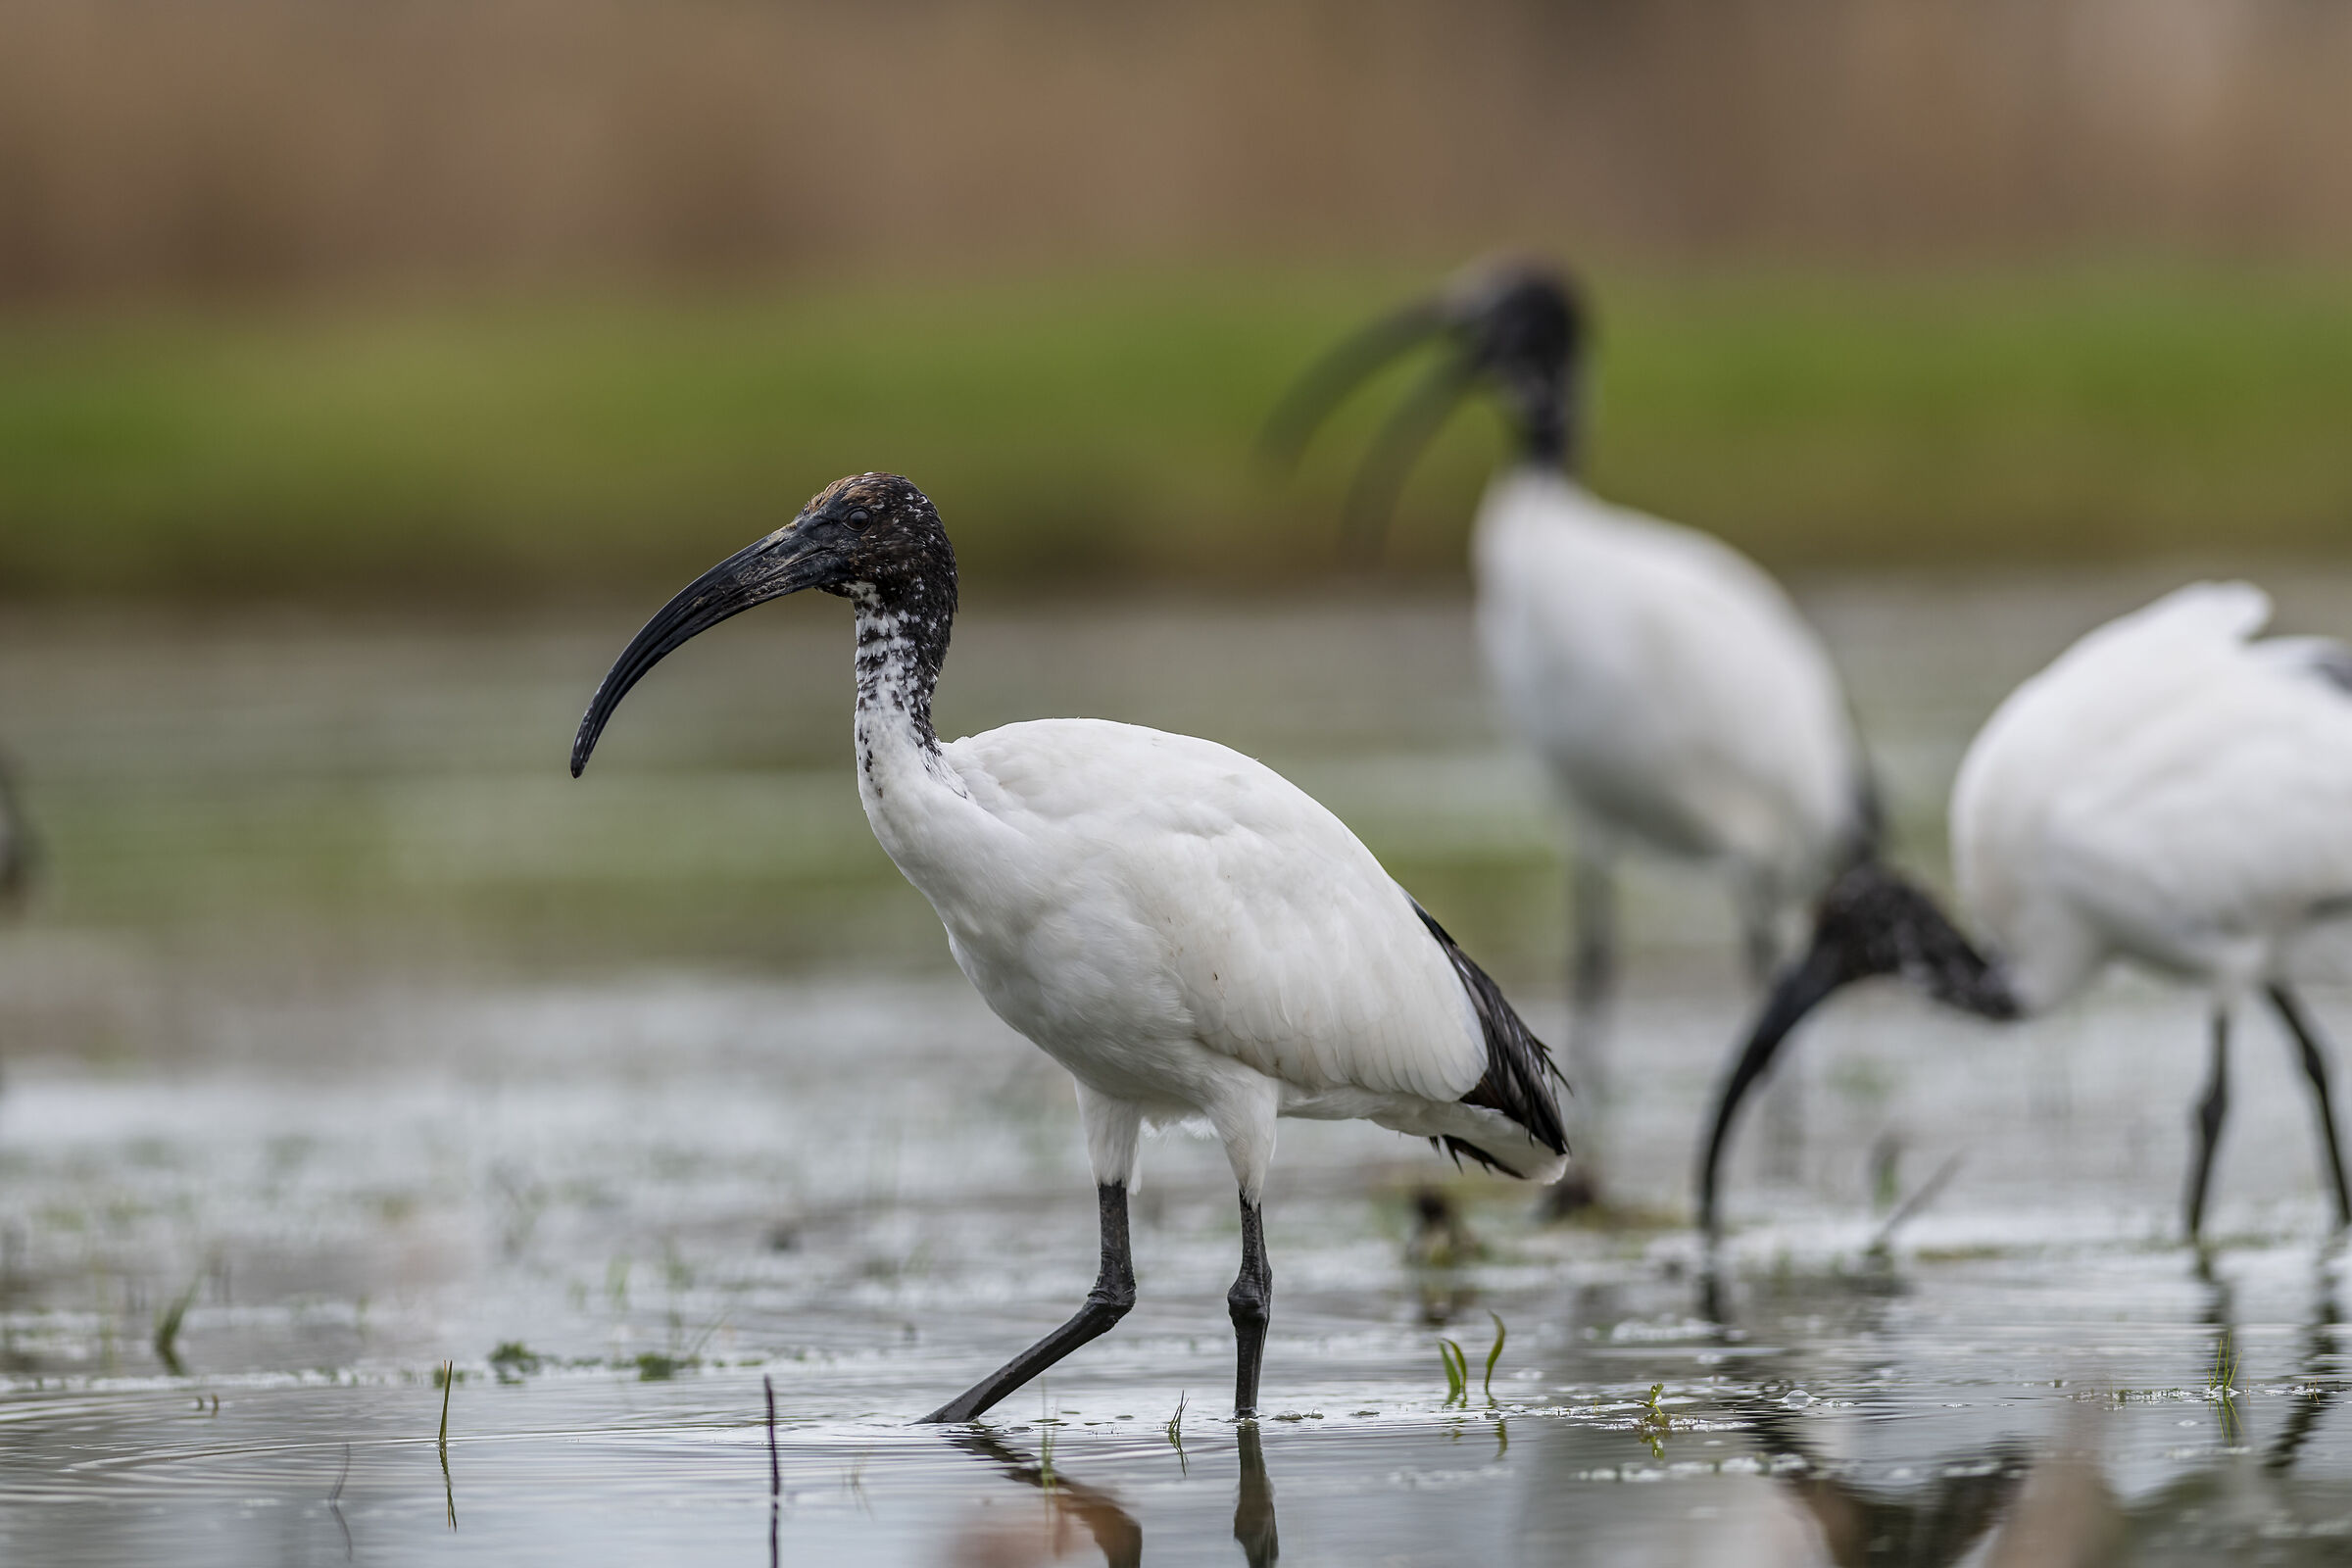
(167, 1328)
(1457, 1372)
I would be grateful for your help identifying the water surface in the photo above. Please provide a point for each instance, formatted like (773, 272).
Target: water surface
(357, 1040)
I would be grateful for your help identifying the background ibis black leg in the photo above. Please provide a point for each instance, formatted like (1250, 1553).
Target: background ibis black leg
(1592, 972)
(2315, 1068)
(1784, 1097)
(1108, 1302)
(1252, 1302)
(2212, 1109)
(1592, 992)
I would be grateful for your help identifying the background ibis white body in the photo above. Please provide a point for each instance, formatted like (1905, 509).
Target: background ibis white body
(2168, 791)
(1681, 703)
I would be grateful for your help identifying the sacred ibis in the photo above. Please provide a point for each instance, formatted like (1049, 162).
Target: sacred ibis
(2171, 792)
(1181, 928)
(1681, 703)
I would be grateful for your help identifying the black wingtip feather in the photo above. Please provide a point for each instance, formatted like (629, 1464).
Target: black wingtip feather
(1520, 1071)
(1448, 1143)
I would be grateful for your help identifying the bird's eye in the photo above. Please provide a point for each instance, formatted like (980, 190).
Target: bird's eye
(858, 518)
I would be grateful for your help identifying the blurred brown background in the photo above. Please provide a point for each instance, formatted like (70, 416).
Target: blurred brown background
(320, 297)
(493, 321)
(238, 145)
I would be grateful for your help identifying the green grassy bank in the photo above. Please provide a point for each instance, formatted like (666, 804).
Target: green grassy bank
(1101, 428)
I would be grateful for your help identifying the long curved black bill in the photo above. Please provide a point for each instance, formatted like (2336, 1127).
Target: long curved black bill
(769, 568)
(1312, 398)
(1372, 498)
(1870, 920)
(1801, 987)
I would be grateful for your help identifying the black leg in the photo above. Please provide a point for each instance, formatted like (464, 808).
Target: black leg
(2315, 1068)
(1252, 1302)
(1108, 1302)
(1591, 973)
(1784, 1107)
(1591, 988)
(2211, 1109)
(1253, 1508)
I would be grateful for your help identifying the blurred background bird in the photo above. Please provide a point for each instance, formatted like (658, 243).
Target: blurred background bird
(2172, 792)
(1679, 703)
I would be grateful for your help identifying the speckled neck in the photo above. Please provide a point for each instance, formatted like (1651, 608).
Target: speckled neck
(902, 643)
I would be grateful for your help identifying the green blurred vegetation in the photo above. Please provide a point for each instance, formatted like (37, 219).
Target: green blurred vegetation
(1101, 428)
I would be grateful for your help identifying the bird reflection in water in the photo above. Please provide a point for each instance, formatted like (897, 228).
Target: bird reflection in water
(1073, 1505)
(1436, 1254)
(1929, 1527)
(1853, 1525)
(2006, 1507)
(1254, 1509)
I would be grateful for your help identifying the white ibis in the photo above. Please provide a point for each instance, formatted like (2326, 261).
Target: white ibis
(1180, 927)
(1681, 703)
(2170, 792)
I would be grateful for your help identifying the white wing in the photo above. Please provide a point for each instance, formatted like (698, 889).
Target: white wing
(2210, 837)
(1171, 885)
(1673, 687)
(2166, 789)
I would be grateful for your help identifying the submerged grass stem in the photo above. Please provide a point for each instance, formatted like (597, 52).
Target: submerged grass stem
(167, 1327)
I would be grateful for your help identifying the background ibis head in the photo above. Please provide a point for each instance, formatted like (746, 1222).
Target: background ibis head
(1518, 328)
(870, 534)
(1515, 329)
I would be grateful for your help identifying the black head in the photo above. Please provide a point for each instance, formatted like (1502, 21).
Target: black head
(1515, 329)
(877, 531)
(869, 535)
(1869, 921)
(1519, 329)
(1873, 921)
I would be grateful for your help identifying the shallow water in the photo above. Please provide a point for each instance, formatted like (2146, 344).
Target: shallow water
(350, 1023)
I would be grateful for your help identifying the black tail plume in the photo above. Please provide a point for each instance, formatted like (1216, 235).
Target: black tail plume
(1520, 1071)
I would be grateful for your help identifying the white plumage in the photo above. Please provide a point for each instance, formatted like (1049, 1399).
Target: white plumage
(2171, 792)
(1680, 699)
(1180, 927)
(1187, 932)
